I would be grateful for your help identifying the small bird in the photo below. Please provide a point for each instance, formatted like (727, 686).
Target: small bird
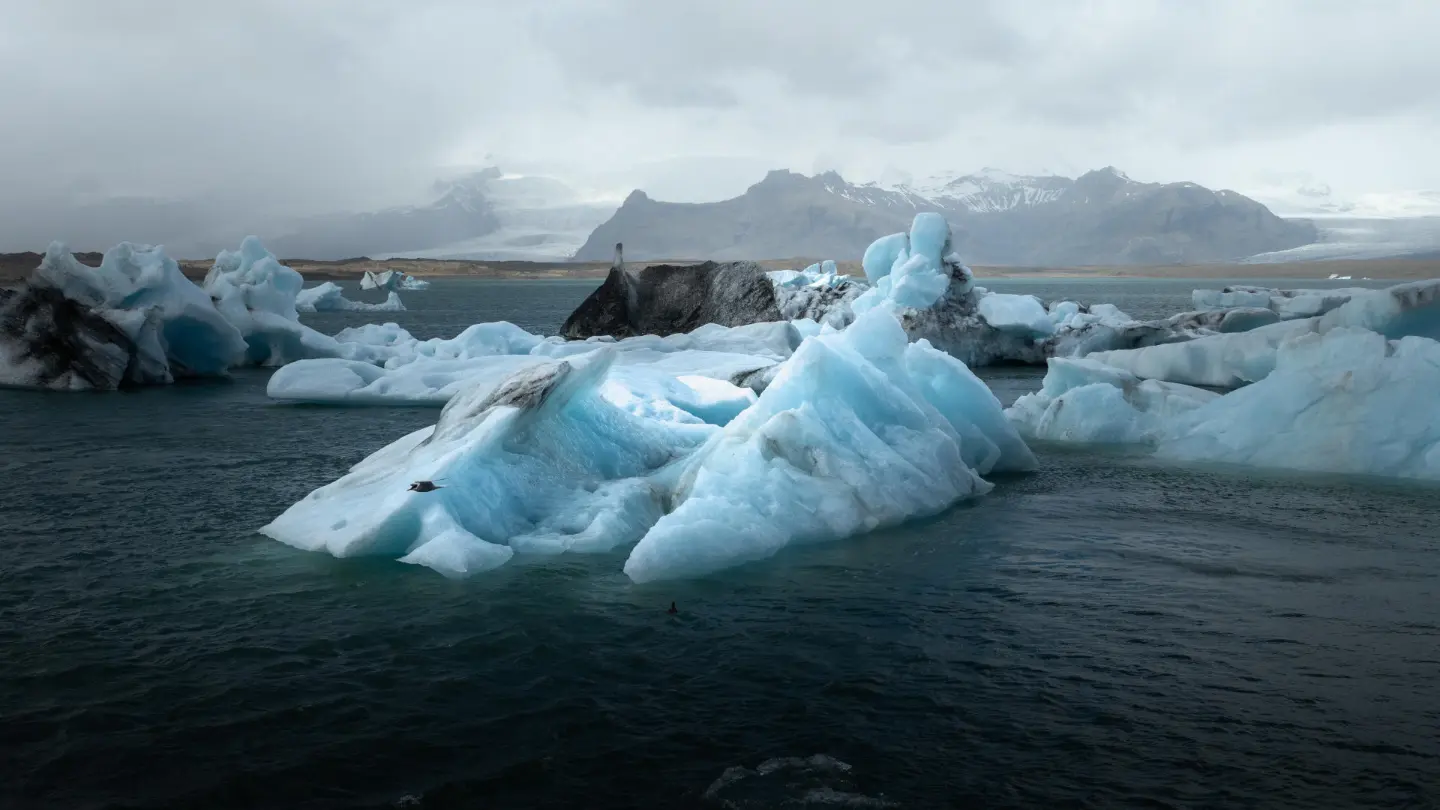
(424, 486)
(672, 611)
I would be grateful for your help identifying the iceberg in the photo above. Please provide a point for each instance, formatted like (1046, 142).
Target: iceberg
(1018, 314)
(1342, 401)
(912, 270)
(384, 364)
(391, 280)
(257, 294)
(542, 464)
(134, 320)
(584, 453)
(1286, 304)
(1085, 401)
(859, 430)
(1230, 360)
(330, 297)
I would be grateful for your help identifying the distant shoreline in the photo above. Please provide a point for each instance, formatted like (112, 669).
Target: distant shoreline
(15, 267)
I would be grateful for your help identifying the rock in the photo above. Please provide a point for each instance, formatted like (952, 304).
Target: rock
(666, 299)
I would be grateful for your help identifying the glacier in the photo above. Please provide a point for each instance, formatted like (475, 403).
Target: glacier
(330, 297)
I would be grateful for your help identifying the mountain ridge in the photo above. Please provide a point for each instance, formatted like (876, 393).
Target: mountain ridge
(1100, 217)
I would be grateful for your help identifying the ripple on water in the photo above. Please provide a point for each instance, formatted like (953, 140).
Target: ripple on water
(1108, 632)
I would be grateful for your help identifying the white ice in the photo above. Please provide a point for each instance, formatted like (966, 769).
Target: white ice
(543, 465)
(1345, 401)
(1086, 401)
(1229, 360)
(391, 280)
(859, 430)
(256, 293)
(910, 270)
(1018, 314)
(330, 297)
(1288, 304)
(383, 364)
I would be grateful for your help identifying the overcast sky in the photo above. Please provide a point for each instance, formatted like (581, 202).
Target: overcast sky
(321, 104)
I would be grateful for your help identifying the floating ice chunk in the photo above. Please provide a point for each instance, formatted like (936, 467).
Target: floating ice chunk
(540, 464)
(844, 440)
(911, 270)
(1343, 401)
(1083, 400)
(196, 339)
(432, 383)
(1287, 304)
(256, 293)
(1230, 360)
(1020, 314)
(330, 297)
(391, 280)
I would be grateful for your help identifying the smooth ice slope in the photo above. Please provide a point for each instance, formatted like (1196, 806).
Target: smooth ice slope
(330, 297)
(543, 464)
(859, 430)
(1347, 401)
(1230, 360)
(1018, 314)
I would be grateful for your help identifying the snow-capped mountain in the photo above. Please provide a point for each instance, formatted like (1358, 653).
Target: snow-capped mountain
(988, 190)
(1101, 217)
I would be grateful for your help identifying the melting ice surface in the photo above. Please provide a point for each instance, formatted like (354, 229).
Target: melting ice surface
(859, 429)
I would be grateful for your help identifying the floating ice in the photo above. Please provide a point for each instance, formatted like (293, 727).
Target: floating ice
(1345, 401)
(383, 364)
(391, 280)
(858, 430)
(912, 270)
(330, 297)
(1083, 400)
(256, 293)
(541, 464)
(1287, 304)
(1018, 314)
(1230, 360)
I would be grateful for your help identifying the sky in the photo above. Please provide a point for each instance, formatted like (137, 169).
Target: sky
(295, 106)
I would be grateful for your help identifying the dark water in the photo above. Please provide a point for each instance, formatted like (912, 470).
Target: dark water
(1108, 632)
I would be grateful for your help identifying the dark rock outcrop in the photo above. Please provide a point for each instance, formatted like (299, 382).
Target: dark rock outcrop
(666, 299)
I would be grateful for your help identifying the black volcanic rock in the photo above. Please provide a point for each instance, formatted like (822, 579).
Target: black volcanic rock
(666, 299)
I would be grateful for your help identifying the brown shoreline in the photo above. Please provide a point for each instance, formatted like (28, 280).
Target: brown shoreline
(15, 267)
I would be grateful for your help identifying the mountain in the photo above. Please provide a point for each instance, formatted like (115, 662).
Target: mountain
(537, 218)
(461, 211)
(1101, 217)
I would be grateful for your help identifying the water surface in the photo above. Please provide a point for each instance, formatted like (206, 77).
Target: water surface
(1108, 632)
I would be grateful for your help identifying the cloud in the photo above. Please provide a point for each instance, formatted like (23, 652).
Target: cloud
(277, 107)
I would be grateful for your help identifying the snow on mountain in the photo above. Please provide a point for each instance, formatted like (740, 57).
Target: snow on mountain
(988, 190)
